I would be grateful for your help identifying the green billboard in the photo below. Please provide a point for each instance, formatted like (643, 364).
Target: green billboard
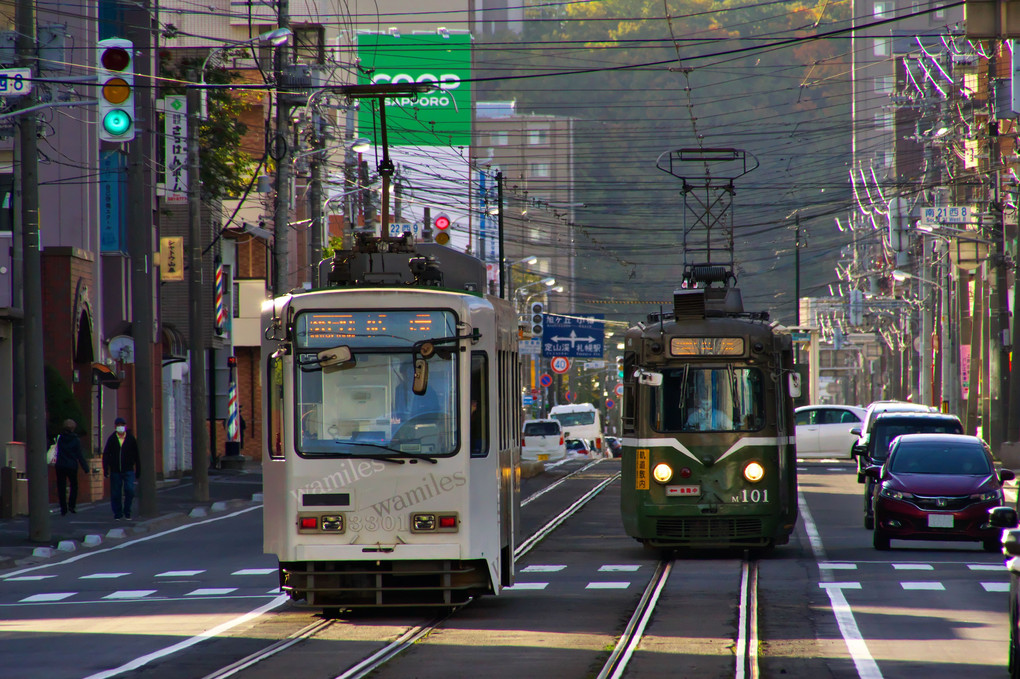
(441, 117)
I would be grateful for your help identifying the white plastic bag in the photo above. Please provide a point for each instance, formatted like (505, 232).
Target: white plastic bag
(51, 454)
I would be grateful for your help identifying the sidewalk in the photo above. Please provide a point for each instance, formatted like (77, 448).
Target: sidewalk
(93, 525)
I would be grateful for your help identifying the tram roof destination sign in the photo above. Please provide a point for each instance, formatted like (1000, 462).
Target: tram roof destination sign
(573, 336)
(439, 118)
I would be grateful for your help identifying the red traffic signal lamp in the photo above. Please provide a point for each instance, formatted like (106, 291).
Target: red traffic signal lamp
(442, 224)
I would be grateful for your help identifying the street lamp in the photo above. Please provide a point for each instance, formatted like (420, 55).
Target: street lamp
(273, 38)
(902, 276)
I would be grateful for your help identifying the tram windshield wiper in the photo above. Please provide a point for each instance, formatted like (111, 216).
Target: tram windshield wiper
(398, 455)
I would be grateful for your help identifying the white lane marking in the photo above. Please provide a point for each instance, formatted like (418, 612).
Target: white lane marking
(986, 567)
(103, 576)
(255, 571)
(923, 586)
(179, 574)
(607, 585)
(995, 586)
(621, 568)
(839, 585)
(130, 543)
(866, 666)
(542, 569)
(51, 596)
(913, 567)
(835, 566)
(529, 585)
(275, 590)
(180, 646)
(130, 594)
(27, 578)
(211, 591)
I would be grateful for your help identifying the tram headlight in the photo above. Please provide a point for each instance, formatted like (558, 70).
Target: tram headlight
(754, 472)
(662, 472)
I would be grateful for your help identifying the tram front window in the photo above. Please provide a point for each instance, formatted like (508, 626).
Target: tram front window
(709, 399)
(366, 407)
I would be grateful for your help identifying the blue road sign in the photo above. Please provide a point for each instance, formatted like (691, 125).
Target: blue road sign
(573, 336)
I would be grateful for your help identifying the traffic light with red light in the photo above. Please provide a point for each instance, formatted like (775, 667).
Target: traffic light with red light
(442, 225)
(115, 70)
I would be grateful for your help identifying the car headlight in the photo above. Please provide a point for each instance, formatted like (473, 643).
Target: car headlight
(662, 472)
(991, 496)
(754, 472)
(893, 494)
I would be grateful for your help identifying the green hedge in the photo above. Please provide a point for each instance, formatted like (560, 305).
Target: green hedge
(61, 405)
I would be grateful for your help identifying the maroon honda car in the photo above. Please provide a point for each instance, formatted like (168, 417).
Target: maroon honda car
(937, 487)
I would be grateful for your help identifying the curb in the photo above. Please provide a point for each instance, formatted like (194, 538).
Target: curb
(65, 548)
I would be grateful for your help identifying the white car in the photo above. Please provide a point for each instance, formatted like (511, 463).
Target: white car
(825, 430)
(543, 441)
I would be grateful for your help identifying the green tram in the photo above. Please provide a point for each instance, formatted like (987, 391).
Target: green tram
(708, 427)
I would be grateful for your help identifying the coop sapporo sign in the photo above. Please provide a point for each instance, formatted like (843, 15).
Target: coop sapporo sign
(439, 118)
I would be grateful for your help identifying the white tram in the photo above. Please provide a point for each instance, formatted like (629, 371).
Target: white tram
(391, 456)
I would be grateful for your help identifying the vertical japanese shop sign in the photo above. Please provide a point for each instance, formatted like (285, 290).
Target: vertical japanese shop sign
(171, 259)
(175, 156)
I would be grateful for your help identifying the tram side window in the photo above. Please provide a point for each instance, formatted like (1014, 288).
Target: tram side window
(274, 380)
(478, 424)
(629, 363)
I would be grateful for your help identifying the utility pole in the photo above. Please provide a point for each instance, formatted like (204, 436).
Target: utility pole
(281, 154)
(142, 270)
(196, 309)
(35, 383)
(315, 199)
(499, 226)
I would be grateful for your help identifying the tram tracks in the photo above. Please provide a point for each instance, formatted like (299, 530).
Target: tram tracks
(415, 633)
(746, 640)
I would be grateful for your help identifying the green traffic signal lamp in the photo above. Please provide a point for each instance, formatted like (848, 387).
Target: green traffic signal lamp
(116, 123)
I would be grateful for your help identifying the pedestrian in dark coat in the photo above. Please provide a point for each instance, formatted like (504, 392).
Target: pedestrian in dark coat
(69, 458)
(120, 464)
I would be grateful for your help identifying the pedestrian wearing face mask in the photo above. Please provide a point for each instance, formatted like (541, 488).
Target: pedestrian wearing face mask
(120, 464)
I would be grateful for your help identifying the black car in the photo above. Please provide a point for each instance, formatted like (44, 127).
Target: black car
(886, 427)
(1006, 518)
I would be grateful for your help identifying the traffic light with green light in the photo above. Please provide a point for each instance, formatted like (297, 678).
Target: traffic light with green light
(115, 68)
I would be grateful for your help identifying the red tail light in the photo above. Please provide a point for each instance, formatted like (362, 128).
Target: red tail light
(561, 440)
(598, 444)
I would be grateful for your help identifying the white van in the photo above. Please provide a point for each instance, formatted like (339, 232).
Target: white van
(543, 441)
(580, 421)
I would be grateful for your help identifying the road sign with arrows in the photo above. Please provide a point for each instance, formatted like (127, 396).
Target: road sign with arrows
(573, 336)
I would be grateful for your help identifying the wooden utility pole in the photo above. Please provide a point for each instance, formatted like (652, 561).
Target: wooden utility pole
(32, 303)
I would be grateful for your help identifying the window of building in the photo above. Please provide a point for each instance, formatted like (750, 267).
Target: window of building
(881, 47)
(884, 84)
(538, 136)
(501, 138)
(881, 10)
(539, 170)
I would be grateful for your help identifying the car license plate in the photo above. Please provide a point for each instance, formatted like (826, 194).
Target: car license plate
(940, 521)
(543, 457)
(683, 490)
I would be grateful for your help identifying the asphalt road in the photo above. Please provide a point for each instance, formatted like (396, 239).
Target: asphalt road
(185, 602)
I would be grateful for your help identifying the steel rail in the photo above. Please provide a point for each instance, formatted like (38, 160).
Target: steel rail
(747, 622)
(540, 493)
(553, 524)
(271, 650)
(635, 629)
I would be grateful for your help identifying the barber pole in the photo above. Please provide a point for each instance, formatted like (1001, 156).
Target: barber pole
(233, 414)
(221, 312)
